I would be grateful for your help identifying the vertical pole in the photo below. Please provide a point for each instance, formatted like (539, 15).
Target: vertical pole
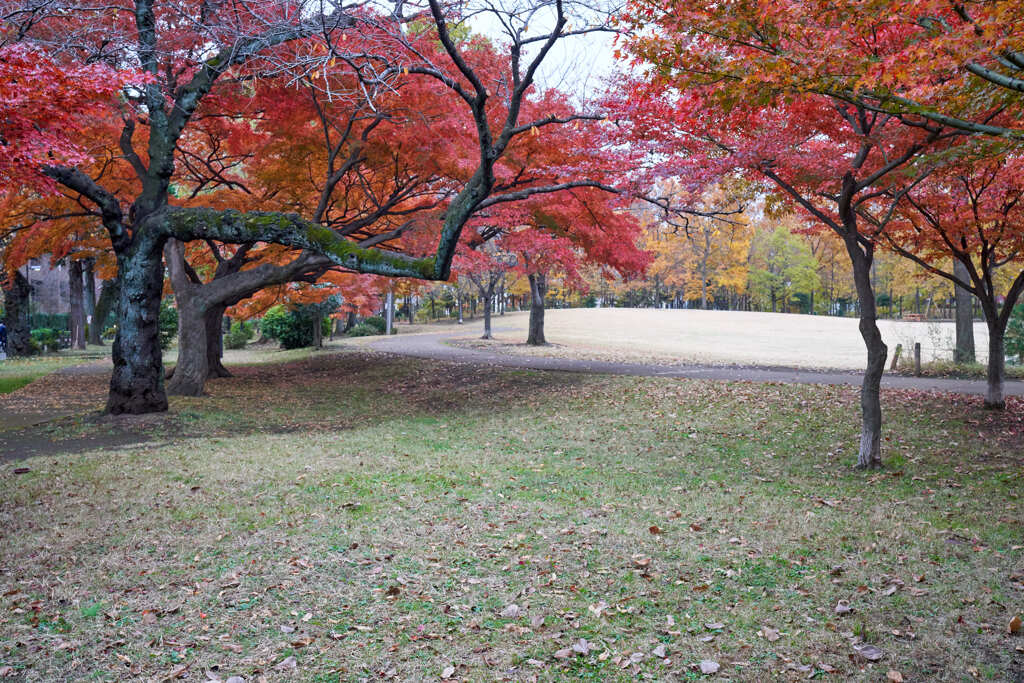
(917, 359)
(389, 312)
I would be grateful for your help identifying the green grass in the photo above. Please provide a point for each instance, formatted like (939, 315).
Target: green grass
(947, 368)
(18, 372)
(404, 505)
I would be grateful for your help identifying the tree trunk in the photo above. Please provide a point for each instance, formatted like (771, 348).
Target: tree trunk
(318, 332)
(996, 375)
(94, 330)
(109, 296)
(213, 320)
(870, 454)
(137, 382)
(76, 318)
(458, 299)
(192, 369)
(964, 351)
(487, 312)
(538, 289)
(16, 315)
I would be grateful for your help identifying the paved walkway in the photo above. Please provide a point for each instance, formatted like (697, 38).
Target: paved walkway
(434, 346)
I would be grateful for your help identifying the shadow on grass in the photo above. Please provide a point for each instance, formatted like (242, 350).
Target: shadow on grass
(333, 391)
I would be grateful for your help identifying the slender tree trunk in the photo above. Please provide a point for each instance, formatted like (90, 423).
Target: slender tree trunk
(137, 382)
(408, 300)
(489, 295)
(964, 351)
(538, 289)
(16, 314)
(458, 300)
(76, 318)
(213, 320)
(109, 296)
(350, 321)
(996, 375)
(89, 276)
(870, 454)
(318, 332)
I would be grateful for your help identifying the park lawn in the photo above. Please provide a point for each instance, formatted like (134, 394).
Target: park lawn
(18, 372)
(355, 516)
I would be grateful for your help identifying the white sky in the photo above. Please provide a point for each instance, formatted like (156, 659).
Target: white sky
(577, 65)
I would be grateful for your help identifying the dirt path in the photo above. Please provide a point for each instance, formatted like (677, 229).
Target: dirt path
(436, 346)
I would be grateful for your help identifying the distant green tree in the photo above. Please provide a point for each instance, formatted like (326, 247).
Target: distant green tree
(168, 324)
(781, 266)
(1015, 334)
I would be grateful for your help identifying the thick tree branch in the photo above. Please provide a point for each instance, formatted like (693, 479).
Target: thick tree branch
(294, 231)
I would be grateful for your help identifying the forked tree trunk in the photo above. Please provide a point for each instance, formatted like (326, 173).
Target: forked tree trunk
(870, 453)
(964, 351)
(76, 317)
(538, 290)
(137, 382)
(996, 375)
(89, 277)
(17, 292)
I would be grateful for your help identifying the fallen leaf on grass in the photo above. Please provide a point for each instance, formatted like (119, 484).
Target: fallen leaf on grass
(655, 529)
(174, 674)
(894, 676)
(709, 666)
(512, 611)
(660, 651)
(843, 607)
(769, 634)
(537, 621)
(869, 652)
(448, 672)
(714, 625)
(287, 664)
(564, 653)
(641, 561)
(1014, 626)
(393, 591)
(149, 617)
(581, 646)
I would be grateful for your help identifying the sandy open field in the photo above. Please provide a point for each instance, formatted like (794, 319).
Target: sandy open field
(727, 337)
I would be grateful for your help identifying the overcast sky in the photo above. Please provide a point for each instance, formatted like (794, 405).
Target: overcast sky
(577, 65)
